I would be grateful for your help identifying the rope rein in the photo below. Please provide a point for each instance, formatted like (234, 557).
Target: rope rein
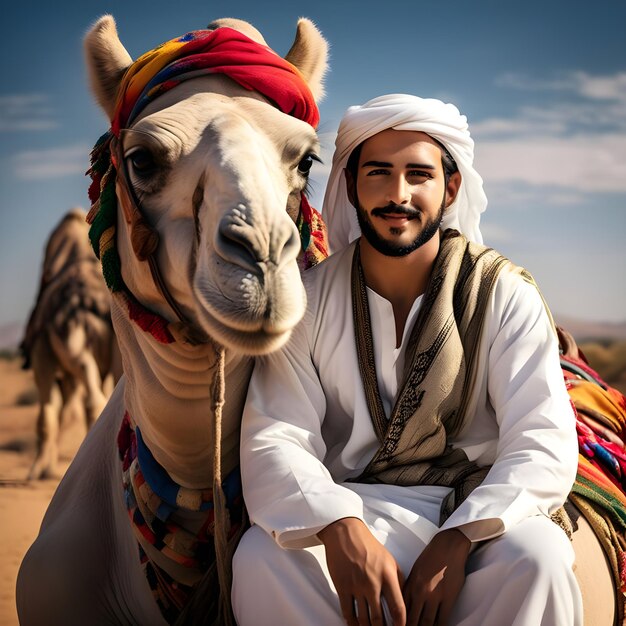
(222, 520)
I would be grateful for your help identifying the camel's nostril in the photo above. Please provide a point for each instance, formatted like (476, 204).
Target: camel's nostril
(240, 242)
(236, 246)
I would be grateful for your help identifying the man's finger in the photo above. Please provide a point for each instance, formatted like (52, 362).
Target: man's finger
(401, 579)
(443, 616)
(363, 612)
(348, 609)
(376, 612)
(392, 595)
(429, 614)
(413, 611)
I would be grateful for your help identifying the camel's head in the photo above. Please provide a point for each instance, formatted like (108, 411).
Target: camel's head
(216, 167)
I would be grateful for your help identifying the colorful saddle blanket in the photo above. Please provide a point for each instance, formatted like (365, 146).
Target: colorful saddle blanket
(153, 501)
(600, 488)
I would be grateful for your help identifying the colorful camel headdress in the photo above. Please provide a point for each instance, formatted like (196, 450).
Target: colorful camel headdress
(221, 51)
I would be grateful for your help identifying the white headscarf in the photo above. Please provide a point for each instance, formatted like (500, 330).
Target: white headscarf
(441, 121)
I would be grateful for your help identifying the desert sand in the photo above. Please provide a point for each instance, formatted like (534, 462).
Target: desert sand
(22, 504)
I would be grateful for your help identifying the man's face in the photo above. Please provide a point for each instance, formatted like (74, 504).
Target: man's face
(400, 191)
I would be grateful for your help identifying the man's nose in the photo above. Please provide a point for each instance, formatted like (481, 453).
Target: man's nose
(398, 190)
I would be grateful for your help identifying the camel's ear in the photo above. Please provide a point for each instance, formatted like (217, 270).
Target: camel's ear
(107, 60)
(309, 53)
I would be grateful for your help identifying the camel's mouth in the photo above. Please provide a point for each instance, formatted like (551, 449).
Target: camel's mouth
(249, 314)
(254, 342)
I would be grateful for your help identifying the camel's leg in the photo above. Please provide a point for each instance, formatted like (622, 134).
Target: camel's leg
(50, 402)
(77, 359)
(594, 577)
(108, 384)
(95, 400)
(73, 403)
(115, 367)
(107, 354)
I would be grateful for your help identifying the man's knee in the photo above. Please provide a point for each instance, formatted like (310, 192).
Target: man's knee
(536, 547)
(254, 555)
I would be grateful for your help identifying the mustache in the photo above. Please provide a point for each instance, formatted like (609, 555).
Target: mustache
(396, 209)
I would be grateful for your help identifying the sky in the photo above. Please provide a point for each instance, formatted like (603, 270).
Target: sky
(543, 85)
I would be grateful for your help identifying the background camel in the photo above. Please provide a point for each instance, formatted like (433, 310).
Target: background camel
(69, 340)
(195, 195)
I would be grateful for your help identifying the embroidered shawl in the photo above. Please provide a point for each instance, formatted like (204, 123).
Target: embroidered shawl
(439, 371)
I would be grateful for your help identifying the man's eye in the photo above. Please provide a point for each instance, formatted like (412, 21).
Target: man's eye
(377, 172)
(419, 173)
(141, 161)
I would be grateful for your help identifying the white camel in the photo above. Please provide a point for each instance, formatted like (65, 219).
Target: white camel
(69, 341)
(205, 174)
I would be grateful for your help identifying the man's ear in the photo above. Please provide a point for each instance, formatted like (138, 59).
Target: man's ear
(452, 188)
(351, 187)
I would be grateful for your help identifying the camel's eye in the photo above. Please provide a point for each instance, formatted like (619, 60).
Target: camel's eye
(304, 167)
(142, 161)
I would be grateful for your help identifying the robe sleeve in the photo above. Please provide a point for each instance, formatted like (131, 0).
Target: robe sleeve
(537, 451)
(287, 489)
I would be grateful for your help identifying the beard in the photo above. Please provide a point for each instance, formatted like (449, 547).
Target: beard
(390, 248)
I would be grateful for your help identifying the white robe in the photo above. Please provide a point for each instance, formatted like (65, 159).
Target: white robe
(313, 432)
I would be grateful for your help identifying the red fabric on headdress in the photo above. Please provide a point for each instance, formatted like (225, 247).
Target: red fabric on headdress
(221, 51)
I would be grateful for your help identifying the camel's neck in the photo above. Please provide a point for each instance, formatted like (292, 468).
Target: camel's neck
(169, 394)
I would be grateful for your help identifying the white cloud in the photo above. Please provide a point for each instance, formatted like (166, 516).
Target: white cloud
(559, 119)
(526, 124)
(585, 163)
(612, 87)
(566, 147)
(496, 235)
(52, 162)
(602, 87)
(593, 103)
(505, 193)
(26, 112)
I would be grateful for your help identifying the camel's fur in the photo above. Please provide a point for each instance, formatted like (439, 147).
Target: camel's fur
(224, 182)
(593, 574)
(69, 340)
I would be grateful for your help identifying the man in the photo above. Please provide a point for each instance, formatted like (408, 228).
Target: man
(402, 455)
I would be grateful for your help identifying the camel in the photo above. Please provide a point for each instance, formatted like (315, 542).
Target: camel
(203, 259)
(69, 341)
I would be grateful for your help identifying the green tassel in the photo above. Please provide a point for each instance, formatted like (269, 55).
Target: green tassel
(305, 236)
(112, 270)
(105, 218)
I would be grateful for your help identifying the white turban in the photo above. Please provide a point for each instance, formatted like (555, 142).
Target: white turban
(441, 121)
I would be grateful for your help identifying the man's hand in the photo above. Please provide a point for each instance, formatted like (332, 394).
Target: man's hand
(436, 579)
(363, 570)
